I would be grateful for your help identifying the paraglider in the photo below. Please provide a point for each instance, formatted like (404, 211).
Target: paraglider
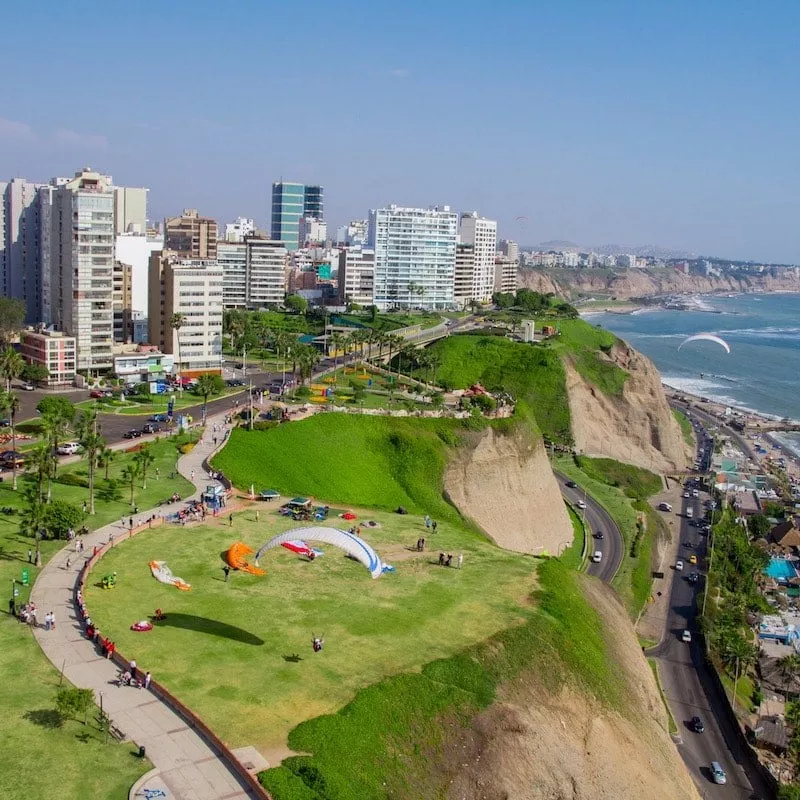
(706, 337)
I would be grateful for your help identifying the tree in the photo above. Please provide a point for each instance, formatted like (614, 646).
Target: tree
(393, 343)
(32, 519)
(130, 474)
(309, 357)
(105, 457)
(12, 316)
(503, 299)
(758, 525)
(92, 443)
(11, 365)
(35, 373)
(295, 303)
(9, 404)
(335, 341)
(56, 406)
(207, 385)
(373, 313)
(74, 703)
(144, 458)
(60, 517)
(176, 322)
(55, 424)
(42, 459)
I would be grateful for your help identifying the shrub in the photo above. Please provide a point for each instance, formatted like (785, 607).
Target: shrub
(71, 479)
(265, 425)
(187, 448)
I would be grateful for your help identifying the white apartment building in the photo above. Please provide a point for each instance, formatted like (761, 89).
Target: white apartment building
(481, 233)
(253, 272)
(236, 231)
(464, 275)
(193, 289)
(505, 275)
(312, 231)
(134, 249)
(415, 256)
(356, 276)
(130, 209)
(571, 260)
(510, 249)
(354, 234)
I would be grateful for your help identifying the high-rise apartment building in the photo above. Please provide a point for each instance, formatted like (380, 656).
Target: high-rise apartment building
(193, 290)
(80, 252)
(481, 233)
(354, 234)
(356, 276)
(253, 273)
(312, 232)
(121, 300)
(236, 231)
(134, 249)
(191, 236)
(130, 210)
(509, 249)
(505, 275)
(464, 275)
(415, 256)
(290, 203)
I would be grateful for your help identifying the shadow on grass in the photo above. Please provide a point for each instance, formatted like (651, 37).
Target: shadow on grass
(213, 627)
(294, 658)
(45, 718)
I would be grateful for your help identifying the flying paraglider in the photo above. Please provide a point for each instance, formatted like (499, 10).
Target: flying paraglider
(706, 337)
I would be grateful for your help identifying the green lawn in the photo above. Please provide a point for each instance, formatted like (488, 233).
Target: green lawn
(377, 462)
(71, 761)
(573, 556)
(686, 426)
(634, 482)
(239, 653)
(673, 728)
(156, 405)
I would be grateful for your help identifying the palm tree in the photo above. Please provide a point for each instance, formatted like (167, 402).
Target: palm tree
(105, 456)
(55, 426)
(144, 458)
(11, 366)
(129, 474)
(335, 341)
(308, 359)
(92, 443)
(208, 384)
(394, 343)
(176, 322)
(9, 404)
(33, 519)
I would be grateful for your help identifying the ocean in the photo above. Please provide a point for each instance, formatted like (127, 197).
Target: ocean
(762, 372)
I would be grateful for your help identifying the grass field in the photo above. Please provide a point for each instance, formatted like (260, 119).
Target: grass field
(377, 462)
(69, 761)
(686, 426)
(572, 557)
(239, 653)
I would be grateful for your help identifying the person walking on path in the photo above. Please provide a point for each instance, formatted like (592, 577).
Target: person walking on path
(132, 669)
(192, 476)
(47, 621)
(427, 522)
(147, 680)
(52, 620)
(434, 525)
(230, 520)
(30, 556)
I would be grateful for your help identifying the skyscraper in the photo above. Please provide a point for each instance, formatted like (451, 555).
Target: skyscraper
(481, 233)
(415, 256)
(290, 202)
(191, 236)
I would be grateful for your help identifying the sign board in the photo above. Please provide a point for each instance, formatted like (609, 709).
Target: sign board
(25, 576)
(324, 272)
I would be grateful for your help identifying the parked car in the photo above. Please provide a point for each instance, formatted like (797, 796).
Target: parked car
(664, 507)
(10, 459)
(5, 423)
(697, 724)
(679, 566)
(151, 427)
(692, 559)
(597, 557)
(28, 387)
(686, 636)
(68, 448)
(158, 418)
(132, 434)
(693, 578)
(718, 774)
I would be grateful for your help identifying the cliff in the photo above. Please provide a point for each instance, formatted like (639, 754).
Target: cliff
(637, 426)
(507, 487)
(625, 284)
(537, 746)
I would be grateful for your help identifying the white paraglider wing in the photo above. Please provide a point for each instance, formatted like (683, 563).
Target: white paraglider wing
(353, 545)
(706, 337)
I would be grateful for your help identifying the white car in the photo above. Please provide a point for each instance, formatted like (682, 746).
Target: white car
(686, 636)
(686, 494)
(28, 387)
(597, 557)
(695, 493)
(68, 449)
(580, 504)
(679, 566)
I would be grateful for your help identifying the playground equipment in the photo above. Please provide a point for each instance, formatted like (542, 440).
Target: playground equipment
(235, 557)
(109, 581)
(354, 546)
(161, 572)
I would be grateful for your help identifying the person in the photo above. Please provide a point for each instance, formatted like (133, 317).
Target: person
(132, 668)
(317, 643)
(47, 621)
(460, 560)
(111, 538)
(159, 615)
(52, 620)
(110, 649)
(258, 514)
(192, 476)
(30, 556)
(130, 522)
(157, 473)
(12, 608)
(422, 544)
(147, 680)
(449, 560)
(69, 562)
(230, 520)
(441, 559)
(227, 570)
(434, 525)
(427, 521)
(84, 506)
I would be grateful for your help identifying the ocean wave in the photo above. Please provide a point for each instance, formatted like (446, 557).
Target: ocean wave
(791, 441)
(773, 331)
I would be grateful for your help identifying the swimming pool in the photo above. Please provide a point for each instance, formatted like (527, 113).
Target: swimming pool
(780, 569)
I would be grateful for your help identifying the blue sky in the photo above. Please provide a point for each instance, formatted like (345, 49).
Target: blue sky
(661, 122)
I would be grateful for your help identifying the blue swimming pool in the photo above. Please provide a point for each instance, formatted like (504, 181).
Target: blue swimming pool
(780, 569)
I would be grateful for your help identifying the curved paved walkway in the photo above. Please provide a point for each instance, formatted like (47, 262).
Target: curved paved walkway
(187, 766)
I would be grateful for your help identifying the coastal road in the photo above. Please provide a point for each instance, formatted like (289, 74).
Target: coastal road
(596, 520)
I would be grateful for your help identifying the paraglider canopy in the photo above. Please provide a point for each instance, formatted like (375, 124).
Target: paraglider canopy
(706, 337)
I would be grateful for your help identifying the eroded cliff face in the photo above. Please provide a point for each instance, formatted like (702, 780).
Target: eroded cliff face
(506, 486)
(636, 427)
(630, 283)
(531, 745)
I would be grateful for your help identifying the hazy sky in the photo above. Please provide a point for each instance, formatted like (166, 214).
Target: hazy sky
(644, 122)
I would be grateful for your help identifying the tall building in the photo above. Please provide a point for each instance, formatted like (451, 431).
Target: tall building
(51, 349)
(80, 253)
(130, 210)
(312, 232)
(415, 256)
(356, 276)
(464, 275)
(121, 284)
(509, 249)
(505, 275)
(481, 233)
(191, 236)
(236, 231)
(134, 250)
(20, 245)
(354, 234)
(290, 203)
(253, 273)
(193, 289)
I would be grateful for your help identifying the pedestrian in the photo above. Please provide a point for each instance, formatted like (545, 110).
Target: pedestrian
(132, 668)
(427, 521)
(12, 607)
(156, 473)
(230, 520)
(441, 559)
(110, 539)
(227, 570)
(122, 522)
(422, 544)
(215, 441)
(460, 560)
(147, 680)
(69, 562)
(84, 507)
(449, 560)
(192, 476)
(32, 617)
(258, 515)
(30, 556)
(47, 621)
(434, 525)
(130, 522)
(52, 620)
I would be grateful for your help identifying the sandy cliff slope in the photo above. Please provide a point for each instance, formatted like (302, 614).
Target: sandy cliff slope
(506, 486)
(636, 427)
(531, 746)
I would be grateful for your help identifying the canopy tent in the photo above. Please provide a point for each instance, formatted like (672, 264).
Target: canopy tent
(353, 545)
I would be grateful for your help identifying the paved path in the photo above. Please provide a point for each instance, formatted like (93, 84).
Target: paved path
(186, 765)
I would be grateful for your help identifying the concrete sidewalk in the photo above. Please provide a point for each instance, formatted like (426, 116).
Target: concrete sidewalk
(185, 764)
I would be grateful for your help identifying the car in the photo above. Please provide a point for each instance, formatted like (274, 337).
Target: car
(158, 418)
(679, 566)
(697, 724)
(692, 559)
(580, 504)
(28, 387)
(5, 423)
(664, 507)
(132, 434)
(686, 635)
(150, 427)
(68, 448)
(718, 774)
(598, 535)
(693, 578)
(686, 494)
(572, 484)
(597, 557)
(10, 459)
(695, 493)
